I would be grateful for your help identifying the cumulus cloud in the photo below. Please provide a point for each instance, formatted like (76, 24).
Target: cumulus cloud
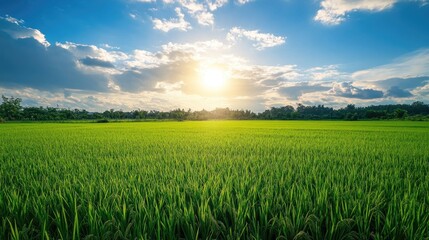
(144, 59)
(93, 77)
(83, 50)
(398, 92)
(177, 67)
(148, 79)
(174, 67)
(12, 26)
(411, 65)
(95, 62)
(107, 46)
(261, 40)
(398, 79)
(398, 87)
(347, 90)
(178, 23)
(215, 4)
(334, 12)
(296, 90)
(28, 62)
(403, 83)
(423, 92)
(405, 78)
(196, 48)
(243, 1)
(325, 73)
(199, 10)
(269, 76)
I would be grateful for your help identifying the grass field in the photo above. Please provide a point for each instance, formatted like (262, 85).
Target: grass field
(215, 180)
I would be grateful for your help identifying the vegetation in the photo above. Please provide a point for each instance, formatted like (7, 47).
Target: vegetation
(102, 121)
(215, 180)
(11, 109)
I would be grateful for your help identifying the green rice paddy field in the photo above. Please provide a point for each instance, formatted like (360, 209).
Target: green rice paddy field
(215, 180)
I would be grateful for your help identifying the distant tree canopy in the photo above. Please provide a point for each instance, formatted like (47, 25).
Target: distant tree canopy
(11, 109)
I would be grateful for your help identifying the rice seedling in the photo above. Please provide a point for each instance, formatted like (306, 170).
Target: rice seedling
(215, 180)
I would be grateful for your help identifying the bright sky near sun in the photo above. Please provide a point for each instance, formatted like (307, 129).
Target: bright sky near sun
(242, 54)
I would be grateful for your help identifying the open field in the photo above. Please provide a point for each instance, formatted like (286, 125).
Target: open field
(215, 180)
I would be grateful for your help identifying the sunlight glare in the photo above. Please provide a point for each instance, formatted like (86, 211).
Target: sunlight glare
(213, 77)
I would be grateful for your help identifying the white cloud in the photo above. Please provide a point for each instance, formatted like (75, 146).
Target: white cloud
(14, 20)
(97, 78)
(404, 77)
(215, 4)
(262, 40)
(84, 50)
(333, 12)
(325, 73)
(175, 23)
(201, 10)
(348, 90)
(16, 30)
(205, 18)
(143, 59)
(194, 48)
(29, 63)
(192, 6)
(197, 10)
(243, 1)
(107, 46)
(412, 65)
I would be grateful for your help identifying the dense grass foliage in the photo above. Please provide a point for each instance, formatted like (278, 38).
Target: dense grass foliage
(215, 180)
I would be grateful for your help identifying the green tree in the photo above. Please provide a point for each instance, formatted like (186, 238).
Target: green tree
(11, 107)
(401, 113)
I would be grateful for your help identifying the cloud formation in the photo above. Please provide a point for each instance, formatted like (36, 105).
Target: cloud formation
(96, 78)
(398, 92)
(31, 63)
(347, 90)
(178, 23)
(95, 62)
(215, 4)
(411, 65)
(200, 10)
(243, 1)
(12, 26)
(261, 40)
(334, 12)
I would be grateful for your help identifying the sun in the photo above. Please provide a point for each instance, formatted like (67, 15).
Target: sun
(213, 78)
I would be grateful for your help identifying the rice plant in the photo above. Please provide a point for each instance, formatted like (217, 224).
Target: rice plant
(215, 180)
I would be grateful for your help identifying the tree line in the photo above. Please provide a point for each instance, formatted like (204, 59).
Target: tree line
(12, 110)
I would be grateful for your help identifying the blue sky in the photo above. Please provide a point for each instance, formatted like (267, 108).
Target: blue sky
(156, 54)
